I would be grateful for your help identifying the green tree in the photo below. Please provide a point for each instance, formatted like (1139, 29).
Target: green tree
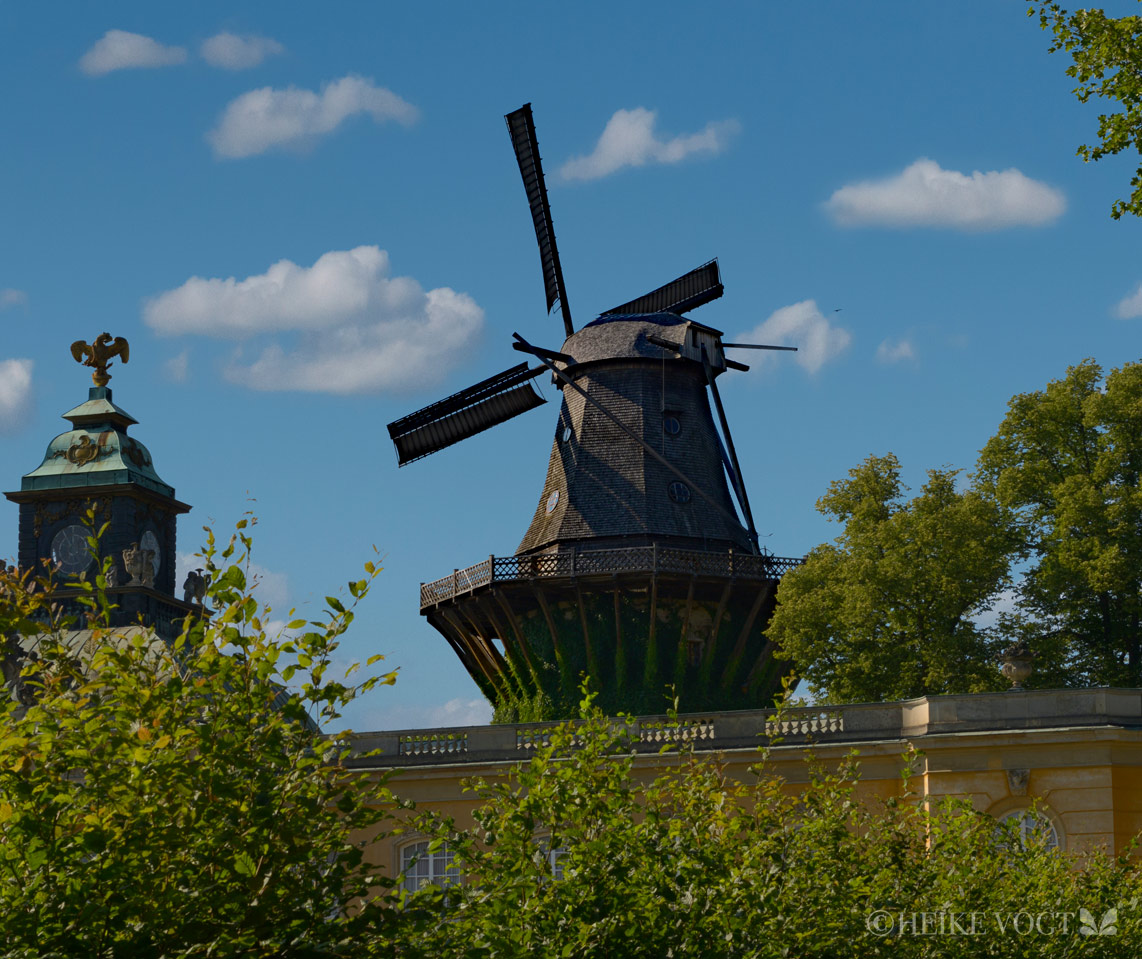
(1067, 460)
(664, 855)
(887, 611)
(1106, 55)
(179, 799)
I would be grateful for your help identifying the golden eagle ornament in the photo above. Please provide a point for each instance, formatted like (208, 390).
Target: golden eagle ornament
(98, 354)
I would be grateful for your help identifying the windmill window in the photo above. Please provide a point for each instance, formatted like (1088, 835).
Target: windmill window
(671, 425)
(552, 500)
(679, 492)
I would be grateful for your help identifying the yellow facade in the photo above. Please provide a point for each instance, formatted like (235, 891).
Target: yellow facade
(1076, 754)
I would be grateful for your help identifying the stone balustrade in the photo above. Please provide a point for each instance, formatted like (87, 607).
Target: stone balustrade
(928, 716)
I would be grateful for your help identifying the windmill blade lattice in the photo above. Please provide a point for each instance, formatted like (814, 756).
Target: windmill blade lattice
(688, 292)
(471, 411)
(521, 126)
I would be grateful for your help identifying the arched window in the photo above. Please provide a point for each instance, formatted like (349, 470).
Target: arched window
(1029, 824)
(419, 867)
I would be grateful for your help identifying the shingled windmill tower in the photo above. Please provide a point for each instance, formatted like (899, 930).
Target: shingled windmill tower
(636, 570)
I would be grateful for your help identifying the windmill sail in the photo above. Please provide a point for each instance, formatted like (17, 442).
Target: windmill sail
(521, 126)
(471, 411)
(687, 292)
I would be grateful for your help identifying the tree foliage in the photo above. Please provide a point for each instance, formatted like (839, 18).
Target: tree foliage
(667, 855)
(1047, 537)
(1067, 460)
(888, 610)
(1106, 60)
(178, 799)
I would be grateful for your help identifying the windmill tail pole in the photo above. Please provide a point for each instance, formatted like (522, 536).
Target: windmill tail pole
(525, 347)
(758, 346)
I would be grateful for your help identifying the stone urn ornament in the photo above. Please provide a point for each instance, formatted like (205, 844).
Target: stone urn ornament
(194, 589)
(1016, 663)
(140, 565)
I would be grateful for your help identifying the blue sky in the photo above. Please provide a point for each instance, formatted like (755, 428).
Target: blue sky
(308, 222)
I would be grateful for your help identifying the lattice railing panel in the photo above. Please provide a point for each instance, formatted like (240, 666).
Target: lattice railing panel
(567, 565)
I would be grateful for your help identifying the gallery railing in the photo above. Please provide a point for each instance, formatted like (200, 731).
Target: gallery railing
(571, 563)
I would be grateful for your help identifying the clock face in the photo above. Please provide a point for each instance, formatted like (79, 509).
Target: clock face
(151, 542)
(70, 550)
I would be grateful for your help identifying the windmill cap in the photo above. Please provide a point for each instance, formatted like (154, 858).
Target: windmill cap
(626, 336)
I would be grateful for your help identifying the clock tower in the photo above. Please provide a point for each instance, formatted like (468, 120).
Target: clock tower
(96, 466)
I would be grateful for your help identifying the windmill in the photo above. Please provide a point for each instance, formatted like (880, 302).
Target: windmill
(635, 568)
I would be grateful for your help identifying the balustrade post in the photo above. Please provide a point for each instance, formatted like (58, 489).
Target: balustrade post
(455, 582)
(491, 568)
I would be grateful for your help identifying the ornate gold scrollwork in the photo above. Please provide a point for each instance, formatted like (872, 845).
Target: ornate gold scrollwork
(47, 514)
(82, 451)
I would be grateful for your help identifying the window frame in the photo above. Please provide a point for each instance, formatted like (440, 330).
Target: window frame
(439, 867)
(1032, 819)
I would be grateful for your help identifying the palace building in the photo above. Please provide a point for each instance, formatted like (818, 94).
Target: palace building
(660, 599)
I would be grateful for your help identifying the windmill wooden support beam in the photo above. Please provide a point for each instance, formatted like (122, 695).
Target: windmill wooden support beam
(635, 621)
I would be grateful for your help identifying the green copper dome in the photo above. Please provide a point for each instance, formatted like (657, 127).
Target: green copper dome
(96, 452)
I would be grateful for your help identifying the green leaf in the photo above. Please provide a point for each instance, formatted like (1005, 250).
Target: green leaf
(244, 864)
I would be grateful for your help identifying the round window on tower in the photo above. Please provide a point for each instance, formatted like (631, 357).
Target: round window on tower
(151, 542)
(70, 550)
(552, 501)
(679, 492)
(671, 425)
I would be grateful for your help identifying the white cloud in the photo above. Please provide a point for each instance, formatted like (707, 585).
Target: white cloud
(177, 367)
(895, 352)
(360, 329)
(1131, 306)
(923, 194)
(801, 325)
(455, 712)
(292, 118)
(271, 588)
(228, 51)
(15, 394)
(120, 50)
(10, 298)
(629, 139)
